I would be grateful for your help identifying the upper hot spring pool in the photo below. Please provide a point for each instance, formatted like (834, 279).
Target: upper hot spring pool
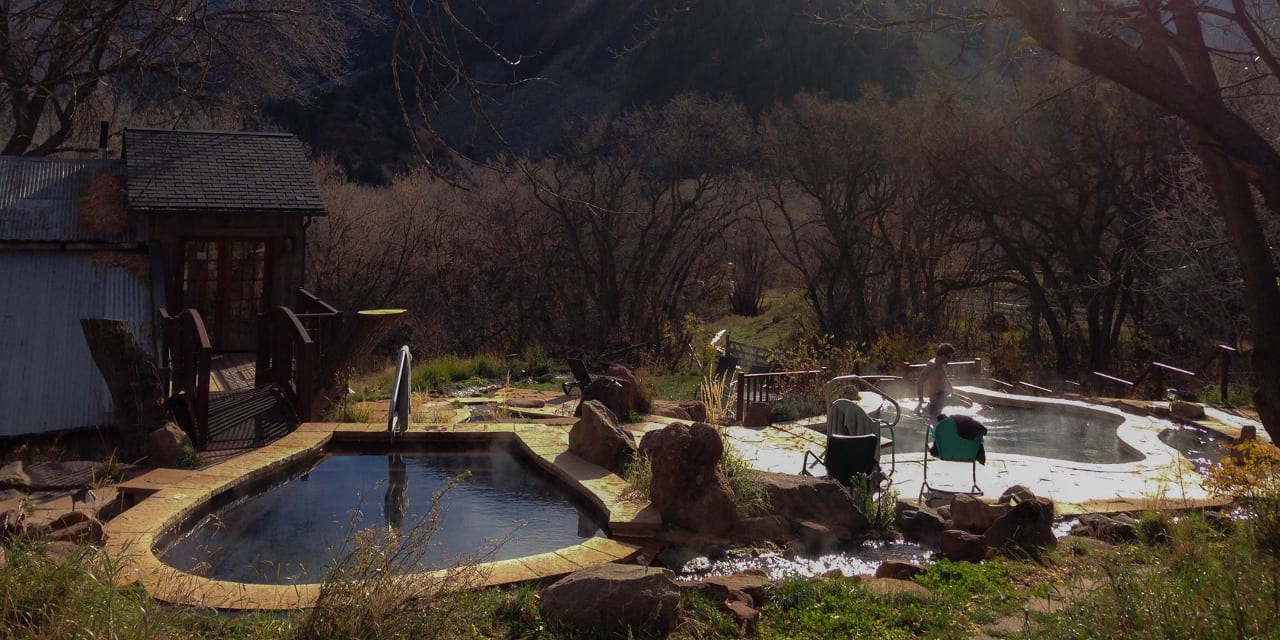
(293, 532)
(1042, 432)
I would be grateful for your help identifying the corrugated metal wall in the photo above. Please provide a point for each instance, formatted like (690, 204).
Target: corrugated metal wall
(48, 381)
(38, 199)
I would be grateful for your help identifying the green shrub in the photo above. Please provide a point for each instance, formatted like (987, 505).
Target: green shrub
(191, 458)
(1194, 587)
(1237, 394)
(880, 508)
(1153, 526)
(748, 490)
(488, 367)
(639, 474)
(796, 408)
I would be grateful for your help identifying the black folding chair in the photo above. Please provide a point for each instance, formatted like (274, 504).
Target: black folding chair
(581, 377)
(849, 459)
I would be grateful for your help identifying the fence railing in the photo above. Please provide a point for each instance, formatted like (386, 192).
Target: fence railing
(288, 358)
(1158, 374)
(765, 387)
(747, 355)
(322, 320)
(188, 353)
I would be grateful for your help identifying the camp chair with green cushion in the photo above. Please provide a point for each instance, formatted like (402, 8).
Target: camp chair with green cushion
(951, 448)
(845, 417)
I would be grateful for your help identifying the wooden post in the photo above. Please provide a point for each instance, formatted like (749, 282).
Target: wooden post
(1224, 370)
(741, 382)
(137, 396)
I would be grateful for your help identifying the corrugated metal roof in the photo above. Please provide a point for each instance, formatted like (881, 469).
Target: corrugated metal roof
(48, 381)
(38, 199)
(219, 172)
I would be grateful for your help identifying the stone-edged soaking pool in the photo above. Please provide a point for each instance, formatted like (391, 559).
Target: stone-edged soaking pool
(292, 532)
(1042, 432)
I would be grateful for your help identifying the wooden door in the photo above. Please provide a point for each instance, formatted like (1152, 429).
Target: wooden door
(225, 280)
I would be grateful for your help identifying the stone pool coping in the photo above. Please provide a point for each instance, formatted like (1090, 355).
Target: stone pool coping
(1163, 479)
(131, 537)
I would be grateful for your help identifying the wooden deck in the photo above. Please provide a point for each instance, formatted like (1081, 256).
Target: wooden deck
(232, 371)
(246, 419)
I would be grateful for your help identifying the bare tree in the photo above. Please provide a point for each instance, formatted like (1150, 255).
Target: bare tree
(828, 193)
(1168, 52)
(63, 64)
(641, 203)
(1064, 187)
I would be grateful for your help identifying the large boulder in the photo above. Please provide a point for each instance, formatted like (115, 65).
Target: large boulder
(919, 523)
(1027, 527)
(597, 438)
(614, 600)
(165, 445)
(78, 527)
(672, 411)
(748, 588)
(972, 514)
(757, 414)
(770, 528)
(687, 486)
(618, 394)
(14, 476)
(818, 500)
(898, 570)
(1100, 527)
(962, 546)
(1187, 410)
(696, 409)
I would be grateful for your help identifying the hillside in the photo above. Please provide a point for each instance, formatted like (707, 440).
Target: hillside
(590, 58)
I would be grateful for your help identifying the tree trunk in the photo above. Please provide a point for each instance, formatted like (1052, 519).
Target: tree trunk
(1234, 152)
(1262, 299)
(358, 340)
(137, 397)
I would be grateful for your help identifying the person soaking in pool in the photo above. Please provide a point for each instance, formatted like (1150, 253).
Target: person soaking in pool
(934, 383)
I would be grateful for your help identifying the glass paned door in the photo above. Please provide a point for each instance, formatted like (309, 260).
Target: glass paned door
(225, 280)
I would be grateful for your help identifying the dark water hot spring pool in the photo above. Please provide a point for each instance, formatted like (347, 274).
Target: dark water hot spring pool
(291, 533)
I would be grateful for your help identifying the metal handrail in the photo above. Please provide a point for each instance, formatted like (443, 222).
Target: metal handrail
(870, 386)
(401, 413)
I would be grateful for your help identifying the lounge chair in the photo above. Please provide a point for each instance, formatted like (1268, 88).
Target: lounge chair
(945, 442)
(581, 377)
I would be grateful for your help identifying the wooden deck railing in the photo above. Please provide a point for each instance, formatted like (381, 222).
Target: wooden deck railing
(761, 387)
(288, 359)
(188, 353)
(322, 320)
(1159, 372)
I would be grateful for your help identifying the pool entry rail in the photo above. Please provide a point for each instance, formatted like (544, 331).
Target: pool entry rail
(398, 418)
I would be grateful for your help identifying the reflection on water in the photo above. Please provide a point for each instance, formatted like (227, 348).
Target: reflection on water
(1033, 432)
(397, 497)
(291, 533)
(1202, 447)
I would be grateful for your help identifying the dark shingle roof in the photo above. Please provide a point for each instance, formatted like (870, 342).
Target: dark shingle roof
(218, 172)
